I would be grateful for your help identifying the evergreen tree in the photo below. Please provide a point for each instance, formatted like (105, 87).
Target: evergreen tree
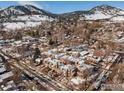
(37, 54)
(18, 36)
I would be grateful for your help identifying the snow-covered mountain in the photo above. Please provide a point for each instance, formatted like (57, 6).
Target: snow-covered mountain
(23, 10)
(96, 13)
(105, 9)
(16, 17)
(103, 12)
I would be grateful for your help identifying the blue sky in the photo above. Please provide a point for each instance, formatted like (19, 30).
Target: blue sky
(63, 6)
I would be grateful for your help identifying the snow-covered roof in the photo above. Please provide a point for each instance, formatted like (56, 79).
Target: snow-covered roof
(81, 62)
(85, 66)
(5, 75)
(77, 80)
(98, 59)
(59, 55)
(50, 52)
(67, 67)
(9, 85)
(83, 53)
(2, 68)
(52, 61)
(38, 59)
(73, 59)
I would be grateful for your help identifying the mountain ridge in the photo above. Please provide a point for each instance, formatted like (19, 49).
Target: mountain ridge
(29, 15)
(23, 8)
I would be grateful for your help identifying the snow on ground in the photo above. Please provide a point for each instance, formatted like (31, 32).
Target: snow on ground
(25, 21)
(121, 12)
(120, 40)
(97, 15)
(118, 18)
(19, 25)
(34, 18)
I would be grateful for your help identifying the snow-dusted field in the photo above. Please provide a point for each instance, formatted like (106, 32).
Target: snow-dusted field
(34, 18)
(97, 15)
(19, 25)
(25, 21)
(118, 18)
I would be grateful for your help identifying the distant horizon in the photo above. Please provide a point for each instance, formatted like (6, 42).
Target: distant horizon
(59, 7)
